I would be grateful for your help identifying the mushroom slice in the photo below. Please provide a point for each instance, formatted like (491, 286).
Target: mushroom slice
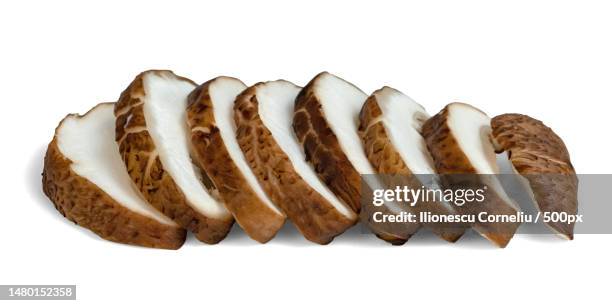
(540, 156)
(85, 178)
(213, 134)
(154, 142)
(263, 115)
(458, 138)
(390, 130)
(326, 122)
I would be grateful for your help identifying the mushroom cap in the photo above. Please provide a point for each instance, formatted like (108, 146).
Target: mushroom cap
(84, 177)
(325, 122)
(390, 125)
(539, 155)
(213, 134)
(263, 119)
(153, 138)
(458, 138)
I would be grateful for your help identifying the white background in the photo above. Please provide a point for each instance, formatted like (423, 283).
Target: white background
(548, 59)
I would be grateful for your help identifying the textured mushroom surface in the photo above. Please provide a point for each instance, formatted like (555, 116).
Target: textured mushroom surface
(86, 180)
(326, 122)
(539, 155)
(458, 138)
(154, 142)
(213, 134)
(263, 115)
(390, 126)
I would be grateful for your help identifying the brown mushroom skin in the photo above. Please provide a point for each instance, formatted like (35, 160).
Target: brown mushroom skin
(145, 168)
(258, 220)
(456, 171)
(322, 148)
(447, 156)
(83, 203)
(539, 155)
(312, 214)
(387, 161)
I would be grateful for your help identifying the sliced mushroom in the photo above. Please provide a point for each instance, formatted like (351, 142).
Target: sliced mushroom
(390, 129)
(326, 122)
(154, 142)
(85, 178)
(458, 138)
(540, 156)
(213, 134)
(263, 115)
